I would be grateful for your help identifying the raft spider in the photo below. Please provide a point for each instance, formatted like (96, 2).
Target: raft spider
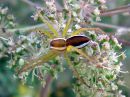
(62, 45)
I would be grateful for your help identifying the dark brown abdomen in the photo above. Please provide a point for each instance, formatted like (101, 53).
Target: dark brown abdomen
(77, 41)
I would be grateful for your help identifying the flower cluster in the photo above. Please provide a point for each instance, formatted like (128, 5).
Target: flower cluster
(96, 75)
(80, 10)
(6, 22)
(102, 71)
(6, 19)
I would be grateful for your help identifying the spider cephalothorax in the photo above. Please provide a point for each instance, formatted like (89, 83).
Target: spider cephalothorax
(62, 43)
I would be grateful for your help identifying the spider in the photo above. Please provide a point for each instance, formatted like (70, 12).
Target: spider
(61, 45)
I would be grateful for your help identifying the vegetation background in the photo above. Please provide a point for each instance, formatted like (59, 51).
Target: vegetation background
(23, 12)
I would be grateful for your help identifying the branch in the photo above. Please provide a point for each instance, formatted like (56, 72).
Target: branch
(119, 29)
(111, 26)
(33, 27)
(122, 9)
(26, 29)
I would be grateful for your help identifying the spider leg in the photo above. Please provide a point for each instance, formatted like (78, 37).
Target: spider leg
(74, 70)
(72, 48)
(39, 61)
(97, 30)
(91, 59)
(67, 27)
(42, 31)
(48, 24)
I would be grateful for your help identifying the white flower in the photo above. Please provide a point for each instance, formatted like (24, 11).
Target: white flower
(35, 17)
(63, 25)
(4, 10)
(69, 30)
(76, 6)
(102, 1)
(78, 20)
(21, 62)
(74, 14)
(98, 19)
(96, 11)
(102, 37)
(77, 26)
(106, 45)
(116, 42)
(49, 3)
(114, 87)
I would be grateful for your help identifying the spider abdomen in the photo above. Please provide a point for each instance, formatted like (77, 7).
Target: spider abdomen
(77, 41)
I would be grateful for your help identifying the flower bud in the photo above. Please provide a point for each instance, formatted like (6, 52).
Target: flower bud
(21, 62)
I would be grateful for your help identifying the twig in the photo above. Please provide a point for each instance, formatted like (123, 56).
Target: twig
(29, 28)
(110, 26)
(33, 27)
(122, 9)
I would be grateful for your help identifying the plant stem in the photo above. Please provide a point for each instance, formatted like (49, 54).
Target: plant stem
(122, 9)
(33, 27)
(26, 29)
(110, 26)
